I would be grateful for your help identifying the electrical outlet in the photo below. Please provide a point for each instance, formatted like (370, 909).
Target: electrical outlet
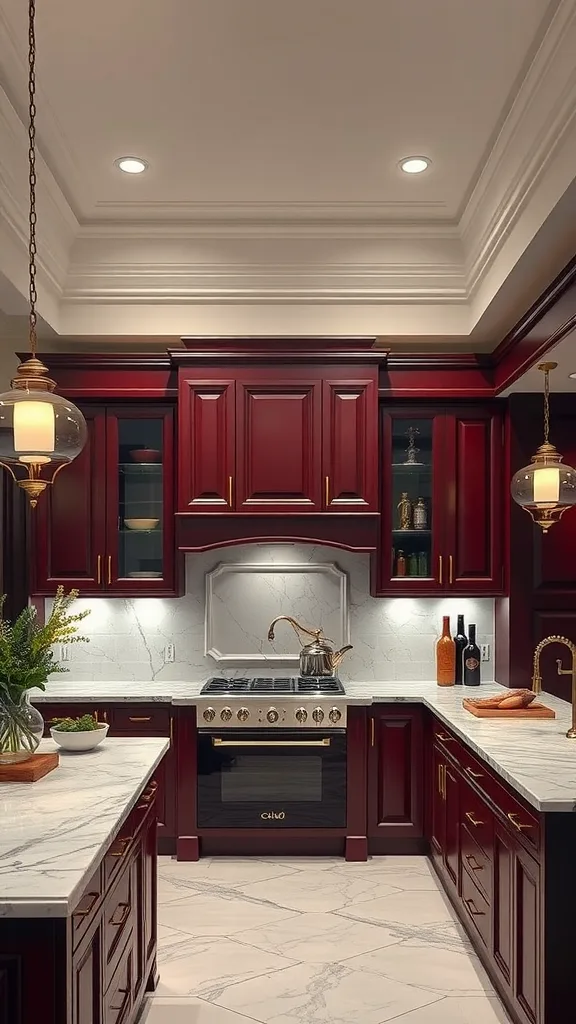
(485, 652)
(169, 654)
(64, 652)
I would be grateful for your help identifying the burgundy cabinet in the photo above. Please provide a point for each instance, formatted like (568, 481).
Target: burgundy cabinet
(442, 511)
(278, 440)
(350, 439)
(445, 817)
(107, 526)
(395, 774)
(86, 980)
(503, 902)
(526, 922)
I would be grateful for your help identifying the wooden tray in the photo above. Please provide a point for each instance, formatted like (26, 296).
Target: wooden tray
(534, 710)
(31, 770)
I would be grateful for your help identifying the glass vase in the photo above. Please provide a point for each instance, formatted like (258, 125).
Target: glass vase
(21, 729)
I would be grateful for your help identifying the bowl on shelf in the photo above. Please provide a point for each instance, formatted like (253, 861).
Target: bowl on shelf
(79, 740)
(145, 455)
(141, 524)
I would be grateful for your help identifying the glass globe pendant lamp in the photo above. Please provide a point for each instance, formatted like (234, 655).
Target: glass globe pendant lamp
(40, 432)
(547, 487)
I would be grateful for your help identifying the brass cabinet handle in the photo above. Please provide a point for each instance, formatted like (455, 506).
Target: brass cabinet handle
(440, 569)
(104, 716)
(440, 780)
(109, 569)
(473, 821)
(474, 909)
(93, 900)
(143, 718)
(475, 775)
(512, 817)
(124, 909)
(230, 490)
(124, 845)
(99, 570)
(450, 560)
(171, 729)
(473, 863)
(327, 490)
(372, 732)
(444, 738)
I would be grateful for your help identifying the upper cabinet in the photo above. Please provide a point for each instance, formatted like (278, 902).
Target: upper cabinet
(283, 440)
(442, 512)
(107, 523)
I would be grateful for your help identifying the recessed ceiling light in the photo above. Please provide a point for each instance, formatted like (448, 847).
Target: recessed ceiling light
(131, 164)
(414, 164)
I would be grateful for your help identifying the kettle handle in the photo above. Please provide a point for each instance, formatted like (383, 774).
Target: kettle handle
(315, 633)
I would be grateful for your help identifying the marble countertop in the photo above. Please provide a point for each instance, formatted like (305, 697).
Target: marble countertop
(54, 832)
(534, 757)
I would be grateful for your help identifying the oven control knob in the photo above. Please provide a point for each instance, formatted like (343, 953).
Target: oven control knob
(209, 715)
(301, 715)
(334, 715)
(243, 715)
(318, 715)
(226, 714)
(272, 715)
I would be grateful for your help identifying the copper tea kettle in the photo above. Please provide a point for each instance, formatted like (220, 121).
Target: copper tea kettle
(316, 658)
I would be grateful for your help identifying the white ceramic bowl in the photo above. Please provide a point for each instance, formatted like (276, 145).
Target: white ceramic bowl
(79, 740)
(141, 524)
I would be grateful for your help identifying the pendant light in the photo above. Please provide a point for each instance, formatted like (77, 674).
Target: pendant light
(545, 488)
(40, 432)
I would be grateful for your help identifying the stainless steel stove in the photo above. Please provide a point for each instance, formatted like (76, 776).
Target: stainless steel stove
(290, 702)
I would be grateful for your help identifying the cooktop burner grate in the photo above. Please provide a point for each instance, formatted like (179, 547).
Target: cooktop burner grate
(263, 685)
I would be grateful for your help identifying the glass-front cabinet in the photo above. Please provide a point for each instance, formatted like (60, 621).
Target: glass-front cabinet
(107, 524)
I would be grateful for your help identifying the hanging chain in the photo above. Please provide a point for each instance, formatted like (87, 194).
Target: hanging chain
(32, 170)
(546, 406)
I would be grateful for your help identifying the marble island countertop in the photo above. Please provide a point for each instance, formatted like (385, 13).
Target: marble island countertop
(533, 757)
(54, 832)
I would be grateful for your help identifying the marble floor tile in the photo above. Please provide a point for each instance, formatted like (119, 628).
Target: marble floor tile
(459, 1010)
(318, 938)
(228, 871)
(443, 971)
(408, 910)
(317, 891)
(323, 994)
(207, 966)
(172, 889)
(416, 875)
(188, 1011)
(220, 915)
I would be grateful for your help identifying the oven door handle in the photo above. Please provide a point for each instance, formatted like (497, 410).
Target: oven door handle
(216, 742)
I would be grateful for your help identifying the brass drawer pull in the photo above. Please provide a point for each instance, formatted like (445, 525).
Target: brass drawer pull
(124, 844)
(473, 821)
(124, 909)
(99, 570)
(474, 909)
(512, 817)
(372, 732)
(444, 738)
(473, 863)
(230, 490)
(440, 569)
(440, 790)
(451, 572)
(327, 491)
(475, 775)
(94, 897)
(109, 569)
(148, 794)
(144, 718)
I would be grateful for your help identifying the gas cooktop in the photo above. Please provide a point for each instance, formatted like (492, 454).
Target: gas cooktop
(261, 685)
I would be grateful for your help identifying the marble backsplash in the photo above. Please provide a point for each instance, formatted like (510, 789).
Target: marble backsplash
(393, 638)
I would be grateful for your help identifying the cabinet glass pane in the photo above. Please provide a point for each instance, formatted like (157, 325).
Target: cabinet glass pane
(140, 491)
(411, 498)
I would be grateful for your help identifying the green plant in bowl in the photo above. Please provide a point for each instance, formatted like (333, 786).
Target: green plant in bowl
(86, 723)
(83, 733)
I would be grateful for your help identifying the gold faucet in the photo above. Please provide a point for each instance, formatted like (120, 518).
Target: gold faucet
(537, 678)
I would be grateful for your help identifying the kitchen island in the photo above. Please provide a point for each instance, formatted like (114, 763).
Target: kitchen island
(78, 887)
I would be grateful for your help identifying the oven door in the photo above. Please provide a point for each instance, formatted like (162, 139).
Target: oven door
(264, 779)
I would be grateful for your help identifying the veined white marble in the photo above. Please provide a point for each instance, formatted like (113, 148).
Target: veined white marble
(54, 832)
(534, 757)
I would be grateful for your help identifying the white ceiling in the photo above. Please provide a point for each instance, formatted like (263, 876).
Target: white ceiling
(273, 200)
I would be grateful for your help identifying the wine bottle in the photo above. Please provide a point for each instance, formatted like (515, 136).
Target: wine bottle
(445, 655)
(460, 640)
(471, 659)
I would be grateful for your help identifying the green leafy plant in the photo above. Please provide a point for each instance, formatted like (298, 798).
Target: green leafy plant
(86, 723)
(26, 661)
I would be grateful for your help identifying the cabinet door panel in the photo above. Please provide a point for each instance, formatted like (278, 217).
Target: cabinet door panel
(69, 522)
(86, 984)
(206, 445)
(438, 835)
(278, 446)
(395, 796)
(503, 886)
(350, 444)
(452, 802)
(475, 502)
(526, 933)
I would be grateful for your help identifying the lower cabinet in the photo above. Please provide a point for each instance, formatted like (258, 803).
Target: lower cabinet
(395, 778)
(86, 974)
(445, 810)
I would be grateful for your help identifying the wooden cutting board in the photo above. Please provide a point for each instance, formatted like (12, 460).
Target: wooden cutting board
(534, 710)
(36, 767)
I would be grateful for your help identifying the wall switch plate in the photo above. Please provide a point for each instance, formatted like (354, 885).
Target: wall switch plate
(64, 652)
(485, 652)
(169, 654)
